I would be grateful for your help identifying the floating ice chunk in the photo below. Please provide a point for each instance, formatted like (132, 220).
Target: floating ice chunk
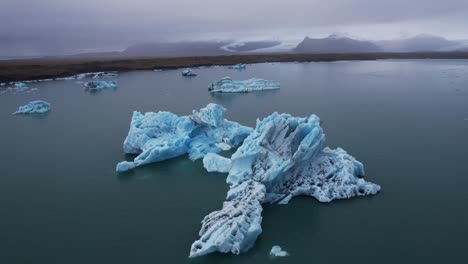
(163, 135)
(284, 157)
(95, 75)
(98, 75)
(188, 72)
(215, 163)
(278, 252)
(99, 85)
(239, 66)
(20, 86)
(35, 107)
(227, 85)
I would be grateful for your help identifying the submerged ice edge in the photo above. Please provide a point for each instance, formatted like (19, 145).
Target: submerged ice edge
(163, 135)
(284, 157)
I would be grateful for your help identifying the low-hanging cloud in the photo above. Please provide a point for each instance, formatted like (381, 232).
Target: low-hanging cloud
(67, 26)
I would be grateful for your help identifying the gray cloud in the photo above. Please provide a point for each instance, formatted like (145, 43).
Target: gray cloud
(67, 26)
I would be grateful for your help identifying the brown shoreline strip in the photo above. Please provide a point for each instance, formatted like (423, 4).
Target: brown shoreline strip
(34, 69)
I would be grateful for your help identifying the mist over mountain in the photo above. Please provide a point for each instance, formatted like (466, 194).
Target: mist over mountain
(418, 43)
(345, 44)
(335, 44)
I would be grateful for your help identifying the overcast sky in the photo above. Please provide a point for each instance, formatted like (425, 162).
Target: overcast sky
(29, 27)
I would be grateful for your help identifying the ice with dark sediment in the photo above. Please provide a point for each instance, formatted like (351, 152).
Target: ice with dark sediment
(99, 85)
(227, 85)
(164, 135)
(282, 158)
(188, 73)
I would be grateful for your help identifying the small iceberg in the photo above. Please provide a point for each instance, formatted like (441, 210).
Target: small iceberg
(164, 135)
(239, 66)
(282, 158)
(35, 107)
(227, 85)
(99, 85)
(276, 251)
(20, 86)
(188, 72)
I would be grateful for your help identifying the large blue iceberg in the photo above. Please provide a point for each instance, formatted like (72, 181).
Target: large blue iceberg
(284, 157)
(227, 85)
(163, 135)
(99, 85)
(35, 107)
(188, 72)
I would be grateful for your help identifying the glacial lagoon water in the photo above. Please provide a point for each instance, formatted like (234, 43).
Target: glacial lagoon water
(61, 200)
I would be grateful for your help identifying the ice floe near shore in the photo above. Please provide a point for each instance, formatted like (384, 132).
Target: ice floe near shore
(284, 157)
(277, 251)
(94, 75)
(189, 73)
(35, 107)
(99, 85)
(227, 85)
(239, 66)
(164, 135)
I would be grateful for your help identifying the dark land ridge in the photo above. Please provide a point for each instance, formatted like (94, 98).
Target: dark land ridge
(35, 69)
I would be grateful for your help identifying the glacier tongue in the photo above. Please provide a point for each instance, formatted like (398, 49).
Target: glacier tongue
(163, 135)
(227, 85)
(284, 157)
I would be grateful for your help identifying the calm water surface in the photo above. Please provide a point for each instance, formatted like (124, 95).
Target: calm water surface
(407, 121)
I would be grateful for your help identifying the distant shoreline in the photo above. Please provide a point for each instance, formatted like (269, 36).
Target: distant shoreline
(35, 69)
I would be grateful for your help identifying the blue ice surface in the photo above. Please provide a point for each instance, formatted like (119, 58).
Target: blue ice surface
(164, 135)
(227, 85)
(216, 163)
(277, 251)
(35, 107)
(99, 85)
(239, 66)
(189, 73)
(282, 158)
